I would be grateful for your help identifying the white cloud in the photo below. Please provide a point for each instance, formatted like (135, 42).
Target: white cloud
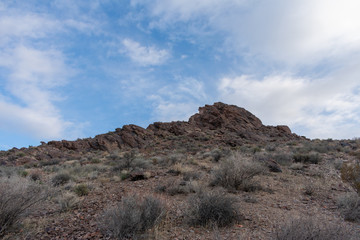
(284, 37)
(31, 76)
(15, 27)
(298, 31)
(33, 68)
(178, 102)
(322, 108)
(21, 25)
(144, 55)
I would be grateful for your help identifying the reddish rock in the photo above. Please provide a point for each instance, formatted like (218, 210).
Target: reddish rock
(217, 124)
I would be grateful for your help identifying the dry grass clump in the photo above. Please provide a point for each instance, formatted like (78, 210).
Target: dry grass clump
(212, 209)
(18, 196)
(81, 190)
(311, 228)
(351, 174)
(236, 172)
(307, 158)
(349, 205)
(129, 161)
(67, 201)
(132, 217)
(179, 187)
(60, 179)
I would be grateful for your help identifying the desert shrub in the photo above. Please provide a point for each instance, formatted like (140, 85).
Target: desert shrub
(309, 189)
(95, 160)
(9, 171)
(270, 148)
(349, 205)
(81, 190)
(216, 154)
(133, 216)
(130, 163)
(212, 208)
(188, 176)
(178, 187)
(307, 158)
(35, 176)
(310, 228)
(49, 162)
(236, 171)
(23, 173)
(297, 166)
(67, 201)
(338, 163)
(60, 179)
(355, 153)
(284, 159)
(351, 174)
(18, 196)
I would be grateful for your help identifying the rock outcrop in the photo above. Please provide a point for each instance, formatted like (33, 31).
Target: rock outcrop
(218, 124)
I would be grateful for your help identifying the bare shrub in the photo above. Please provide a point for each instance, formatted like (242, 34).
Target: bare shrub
(60, 179)
(236, 172)
(349, 205)
(178, 187)
(212, 208)
(18, 196)
(130, 161)
(309, 189)
(307, 158)
(133, 216)
(284, 159)
(310, 228)
(351, 174)
(67, 201)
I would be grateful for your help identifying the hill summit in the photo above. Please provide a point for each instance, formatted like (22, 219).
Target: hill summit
(218, 124)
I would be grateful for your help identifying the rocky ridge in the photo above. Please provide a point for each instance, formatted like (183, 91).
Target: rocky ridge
(218, 124)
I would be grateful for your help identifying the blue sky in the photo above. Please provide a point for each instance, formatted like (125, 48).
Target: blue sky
(74, 69)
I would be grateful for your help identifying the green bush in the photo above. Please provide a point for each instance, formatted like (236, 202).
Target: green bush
(212, 209)
(81, 190)
(132, 217)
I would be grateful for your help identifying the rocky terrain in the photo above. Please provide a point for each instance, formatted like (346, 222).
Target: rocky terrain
(220, 175)
(215, 125)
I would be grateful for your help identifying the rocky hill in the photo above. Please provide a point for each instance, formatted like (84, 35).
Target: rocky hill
(215, 125)
(220, 175)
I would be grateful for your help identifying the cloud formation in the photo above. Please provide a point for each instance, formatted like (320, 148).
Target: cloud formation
(299, 31)
(300, 57)
(29, 105)
(145, 56)
(311, 105)
(179, 101)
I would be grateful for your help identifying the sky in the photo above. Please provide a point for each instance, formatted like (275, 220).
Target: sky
(75, 69)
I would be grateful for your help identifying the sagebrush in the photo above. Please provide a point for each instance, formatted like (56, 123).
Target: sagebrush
(133, 216)
(311, 228)
(212, 209)
(236, 172)
(18, 197)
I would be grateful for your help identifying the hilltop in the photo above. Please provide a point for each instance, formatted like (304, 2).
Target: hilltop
(215, 125)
